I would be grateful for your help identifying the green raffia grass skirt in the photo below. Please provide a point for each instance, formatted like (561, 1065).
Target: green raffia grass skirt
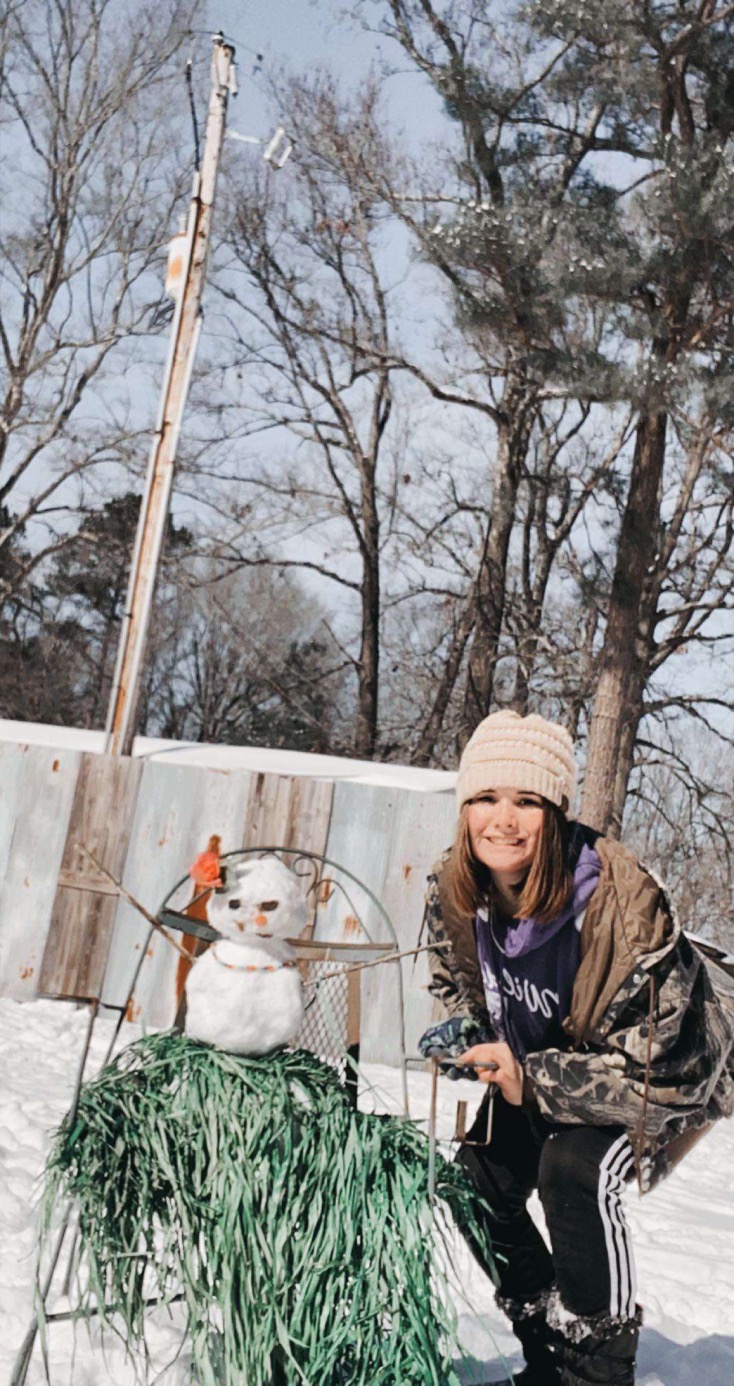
(298, 1231)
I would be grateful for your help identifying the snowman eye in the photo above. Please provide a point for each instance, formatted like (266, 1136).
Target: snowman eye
(269, 905)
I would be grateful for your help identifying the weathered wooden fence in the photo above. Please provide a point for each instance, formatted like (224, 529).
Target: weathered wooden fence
(63, 933)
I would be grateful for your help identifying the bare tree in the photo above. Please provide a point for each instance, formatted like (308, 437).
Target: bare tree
(569, 466)
(305, 297)
(686, 602)
(680, 819)
(243, 659)
(88, 189)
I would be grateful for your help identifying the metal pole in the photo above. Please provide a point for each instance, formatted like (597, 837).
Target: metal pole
(25, 1352)
(19, 1374)
(432, 1113)
(120, 728)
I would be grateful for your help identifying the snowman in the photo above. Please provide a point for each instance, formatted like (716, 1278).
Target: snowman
(245, 994)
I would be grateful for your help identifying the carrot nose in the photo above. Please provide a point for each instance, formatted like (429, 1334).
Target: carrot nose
(261, 920)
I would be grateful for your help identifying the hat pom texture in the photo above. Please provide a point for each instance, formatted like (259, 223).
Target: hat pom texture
(524, 753)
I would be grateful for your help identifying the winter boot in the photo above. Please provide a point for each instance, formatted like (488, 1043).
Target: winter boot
(600, 1352)
(541, 1345)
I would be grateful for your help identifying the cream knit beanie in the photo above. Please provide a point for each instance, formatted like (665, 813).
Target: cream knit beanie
(520, 753)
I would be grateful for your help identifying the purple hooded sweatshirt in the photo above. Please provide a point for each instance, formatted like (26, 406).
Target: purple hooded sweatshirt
(528, 969)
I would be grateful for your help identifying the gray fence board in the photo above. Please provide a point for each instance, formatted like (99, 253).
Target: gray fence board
(359, 840)
(389, 838)
(423, 825)
(288, 811)
(37, 786)
(84, 909)
(178, 809)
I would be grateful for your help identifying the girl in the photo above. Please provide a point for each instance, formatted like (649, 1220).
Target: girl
(562, 964)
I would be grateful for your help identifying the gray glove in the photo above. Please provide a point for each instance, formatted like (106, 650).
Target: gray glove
(453, 1037)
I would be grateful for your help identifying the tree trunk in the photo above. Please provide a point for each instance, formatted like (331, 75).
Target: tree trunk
(365, 739)
(626, 757)
(585, 677)
(524, 665)
(648, 610)
(623, 662)
(528, 644)
(512, 442)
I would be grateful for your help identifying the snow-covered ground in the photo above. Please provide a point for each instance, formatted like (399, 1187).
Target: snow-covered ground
(684, 1231)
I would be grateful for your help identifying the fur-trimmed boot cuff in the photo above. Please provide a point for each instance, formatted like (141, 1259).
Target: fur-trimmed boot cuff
(599, 1350)
(540, 1342)
(519, 1309)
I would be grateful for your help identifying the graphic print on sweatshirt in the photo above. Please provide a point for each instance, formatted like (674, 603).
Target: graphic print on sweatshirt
(490, 980)
(528, 996)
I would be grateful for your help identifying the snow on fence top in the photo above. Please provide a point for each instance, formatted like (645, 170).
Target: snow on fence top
(260, 759)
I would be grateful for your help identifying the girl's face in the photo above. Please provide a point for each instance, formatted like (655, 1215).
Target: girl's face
(505, 827)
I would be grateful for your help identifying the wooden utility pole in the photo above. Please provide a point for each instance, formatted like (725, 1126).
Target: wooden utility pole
(120, 728)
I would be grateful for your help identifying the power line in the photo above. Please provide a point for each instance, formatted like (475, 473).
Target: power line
(236, 44)
(194, 121)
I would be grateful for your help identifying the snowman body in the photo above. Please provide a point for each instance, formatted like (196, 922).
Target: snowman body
(245, 993)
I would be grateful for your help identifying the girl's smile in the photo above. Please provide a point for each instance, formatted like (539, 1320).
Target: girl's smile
(505, 825)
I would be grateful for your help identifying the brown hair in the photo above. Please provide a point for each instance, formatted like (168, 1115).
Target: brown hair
(547, 885)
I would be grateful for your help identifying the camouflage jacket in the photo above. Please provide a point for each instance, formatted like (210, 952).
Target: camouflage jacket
(651, 1039)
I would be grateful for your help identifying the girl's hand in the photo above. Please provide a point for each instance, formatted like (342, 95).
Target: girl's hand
(508, 1075)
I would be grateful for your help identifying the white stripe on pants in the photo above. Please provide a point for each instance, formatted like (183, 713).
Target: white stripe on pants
(616, 1164)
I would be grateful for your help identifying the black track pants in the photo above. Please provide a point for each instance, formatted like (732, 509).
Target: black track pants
(580, 1173)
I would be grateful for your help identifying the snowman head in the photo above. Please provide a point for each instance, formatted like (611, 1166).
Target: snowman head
(261, 899)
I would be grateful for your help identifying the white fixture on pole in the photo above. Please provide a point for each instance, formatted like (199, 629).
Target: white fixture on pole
(191, 250)
(278, 148)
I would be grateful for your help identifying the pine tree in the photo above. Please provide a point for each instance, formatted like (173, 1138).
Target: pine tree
(661, 79)
(591, 248)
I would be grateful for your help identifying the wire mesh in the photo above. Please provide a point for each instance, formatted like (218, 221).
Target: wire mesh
(326, 1027)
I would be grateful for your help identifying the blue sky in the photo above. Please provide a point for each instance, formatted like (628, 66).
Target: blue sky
(305, 33)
